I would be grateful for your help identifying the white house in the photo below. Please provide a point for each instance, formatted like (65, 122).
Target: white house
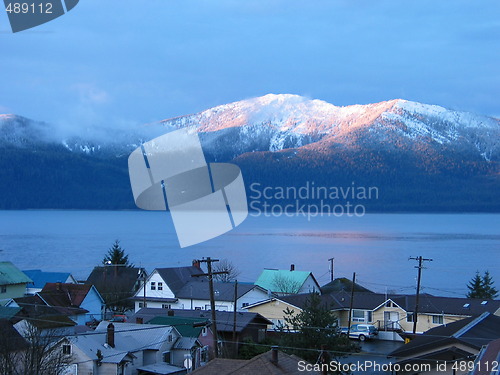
(125, 349)
(179, 288)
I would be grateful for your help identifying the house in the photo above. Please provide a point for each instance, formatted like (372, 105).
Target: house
(74, 297)
(274, 308)
(12, 282)
(283, 282)
(273, 362)
(191, 328)
(441, 350)
(181, 288)
(390, 313)
(394, 312)
(343, 284)
(116, 283)
(34, 307)
(123, 348)
(12, 346)
(249, 326)
(488, 360)
(40, 278)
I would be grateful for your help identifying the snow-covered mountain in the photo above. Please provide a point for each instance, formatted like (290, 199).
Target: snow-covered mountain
(423, 157)
(277, 122)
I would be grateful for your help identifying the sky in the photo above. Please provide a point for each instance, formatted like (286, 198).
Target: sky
(128, 62)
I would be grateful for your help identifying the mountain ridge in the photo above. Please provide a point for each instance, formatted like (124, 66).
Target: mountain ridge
(425, 157)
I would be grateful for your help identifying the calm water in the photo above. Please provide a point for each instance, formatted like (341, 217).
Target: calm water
(376, 246)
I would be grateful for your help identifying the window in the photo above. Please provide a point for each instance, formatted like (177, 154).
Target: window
(166, 357)
(437, 319)
(204, 331)
(153, 285)
(409, 317)
(170, 338)
(358, 316)
(66, 349)
(165, 305)
(141, 305)
(160, 286)
(3, 289)
(369, 316)
(245, 304)
(197, 308)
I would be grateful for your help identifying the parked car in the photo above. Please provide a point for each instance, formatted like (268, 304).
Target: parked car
(119, 318)
(361, 332)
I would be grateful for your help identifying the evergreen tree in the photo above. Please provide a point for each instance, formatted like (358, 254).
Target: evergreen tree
(116, 256)
(313, 327)
(482, 287)
(490, 292)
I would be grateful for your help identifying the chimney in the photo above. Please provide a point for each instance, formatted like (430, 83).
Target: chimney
(274, 355)
(58, 286)
(110, 335)
(196, 263)
(292, 267)
(170, 313)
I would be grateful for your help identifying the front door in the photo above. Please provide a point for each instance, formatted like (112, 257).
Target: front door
(391, 320)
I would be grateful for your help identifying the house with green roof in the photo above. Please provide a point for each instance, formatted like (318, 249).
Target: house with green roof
(12, 282)
(284, 282)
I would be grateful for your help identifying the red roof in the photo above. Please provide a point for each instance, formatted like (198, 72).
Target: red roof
(64, 295)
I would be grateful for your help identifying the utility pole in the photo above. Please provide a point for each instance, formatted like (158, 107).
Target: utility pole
(417, 297)
(210, 275)
(234, 316)
(351, 304)
(331, 260)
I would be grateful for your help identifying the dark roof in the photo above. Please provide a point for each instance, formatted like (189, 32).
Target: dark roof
(34, 306)
(428, 303)
(225, 319)
(488, 355)
(11, 275)
(177, 277)
(343, 284)
(261, 364)
(300, 300)
(473, 332)
(11, 339)
(64, 295)
(199, 289)
(115, 278)
(40, 278)
(183, 325)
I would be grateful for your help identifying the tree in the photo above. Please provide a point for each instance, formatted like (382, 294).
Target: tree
(285, 285)
(313, 327)
(116, 256)
(225, 265)
(482, 287)
(35, 353)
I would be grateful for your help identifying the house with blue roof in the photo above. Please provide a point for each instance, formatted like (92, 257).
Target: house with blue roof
(40, 278)
(12, 282)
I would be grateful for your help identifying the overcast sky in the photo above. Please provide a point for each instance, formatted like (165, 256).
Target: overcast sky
(128, 62)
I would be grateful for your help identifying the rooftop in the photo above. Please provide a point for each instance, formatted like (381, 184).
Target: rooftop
(11, 275)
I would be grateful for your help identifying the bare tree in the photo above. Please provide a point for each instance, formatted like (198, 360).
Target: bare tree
(285, 285)
(34, 353)
(225, 265)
